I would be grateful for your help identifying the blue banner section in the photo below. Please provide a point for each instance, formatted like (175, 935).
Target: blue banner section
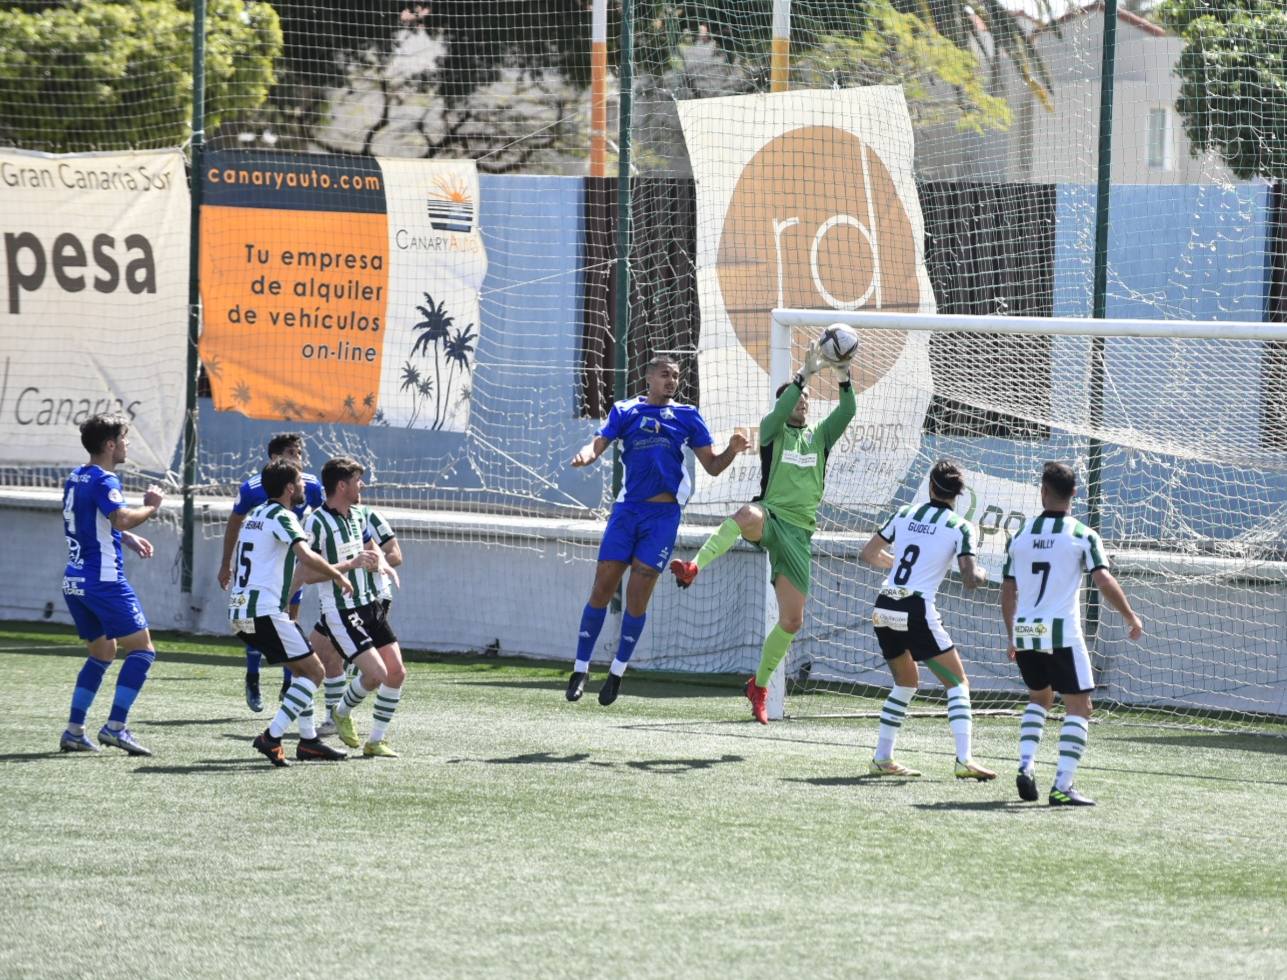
(304, 182)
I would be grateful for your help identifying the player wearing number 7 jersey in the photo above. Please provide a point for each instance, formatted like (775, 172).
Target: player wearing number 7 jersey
(926, 537)
(1041, 603)
(269, 544)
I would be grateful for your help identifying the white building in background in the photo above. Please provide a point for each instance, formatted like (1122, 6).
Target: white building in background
(1061, 144)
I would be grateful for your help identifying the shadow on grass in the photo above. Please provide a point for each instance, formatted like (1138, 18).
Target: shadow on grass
(188, 722)
(206, 766)
(37, 756)
(858, 780)
(1237, 743)
(661, 766)
(650, 688)
(978, 806)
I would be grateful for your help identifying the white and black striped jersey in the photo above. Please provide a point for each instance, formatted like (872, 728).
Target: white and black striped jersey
(927, 538)
(337, 538)
(1046, 558)
(379, 531)
(264, 561)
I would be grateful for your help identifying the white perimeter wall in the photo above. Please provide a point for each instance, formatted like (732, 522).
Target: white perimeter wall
(474, 580)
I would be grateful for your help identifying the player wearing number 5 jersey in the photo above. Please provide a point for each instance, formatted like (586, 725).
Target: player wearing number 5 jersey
(269, 544)
(926, 538)
(1041, 603)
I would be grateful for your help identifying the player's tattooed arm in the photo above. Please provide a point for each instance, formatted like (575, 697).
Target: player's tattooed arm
(591, 451)
(125, 518)
(717, 464)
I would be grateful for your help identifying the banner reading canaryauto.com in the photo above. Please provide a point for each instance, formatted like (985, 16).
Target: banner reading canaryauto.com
(340, 289)
(93, 302)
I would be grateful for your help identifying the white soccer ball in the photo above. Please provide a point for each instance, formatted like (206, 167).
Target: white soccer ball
(838, 344)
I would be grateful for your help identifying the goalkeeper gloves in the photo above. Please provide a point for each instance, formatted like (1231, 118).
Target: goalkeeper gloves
(813, 363)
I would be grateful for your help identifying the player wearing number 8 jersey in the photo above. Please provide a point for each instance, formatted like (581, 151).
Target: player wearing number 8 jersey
(1041, 603)
(356, 622)
(269, 544)
(926, 538)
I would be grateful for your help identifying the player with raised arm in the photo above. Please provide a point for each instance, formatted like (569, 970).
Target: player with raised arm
(641, 529)
(355, 620)
(289, 446)
(793, 459)
(104, 608)
(269, 544)
(927, 537)
(1041, 604)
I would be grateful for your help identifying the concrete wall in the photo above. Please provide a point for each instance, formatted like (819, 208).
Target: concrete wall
(1215, 629)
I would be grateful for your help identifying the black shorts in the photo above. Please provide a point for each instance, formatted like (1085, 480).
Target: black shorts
(277, 637)
(908, 624)
(354, 631)
(1066, 669)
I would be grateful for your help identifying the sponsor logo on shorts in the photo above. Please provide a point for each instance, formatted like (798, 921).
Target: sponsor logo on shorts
(73, 586)
(890, 619)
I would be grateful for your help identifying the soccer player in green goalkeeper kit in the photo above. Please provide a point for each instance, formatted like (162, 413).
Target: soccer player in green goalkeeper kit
(781, 521)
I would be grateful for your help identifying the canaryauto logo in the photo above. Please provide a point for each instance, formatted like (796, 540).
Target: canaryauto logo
(815, 221)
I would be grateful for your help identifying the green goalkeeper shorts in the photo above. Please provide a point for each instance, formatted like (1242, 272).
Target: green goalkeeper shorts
(790, 550)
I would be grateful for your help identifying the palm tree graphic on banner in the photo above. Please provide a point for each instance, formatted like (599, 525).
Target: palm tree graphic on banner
(435, 340)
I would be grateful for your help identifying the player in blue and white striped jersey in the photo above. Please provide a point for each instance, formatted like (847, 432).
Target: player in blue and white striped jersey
(1041, 603)
(928, 537)
(288, 446)
(104, 608)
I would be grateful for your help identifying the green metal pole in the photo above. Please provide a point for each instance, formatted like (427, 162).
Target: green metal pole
(194, 293)
(625, 234)
(1099, 289)
(625, 225)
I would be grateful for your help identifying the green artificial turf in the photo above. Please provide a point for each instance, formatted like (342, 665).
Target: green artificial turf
(666, 836)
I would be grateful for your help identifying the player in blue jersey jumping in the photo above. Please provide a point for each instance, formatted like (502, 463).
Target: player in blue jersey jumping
(288, 446)
(104, 608)
(641, 530)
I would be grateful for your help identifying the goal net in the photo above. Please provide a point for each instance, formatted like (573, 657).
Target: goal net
(1174, 430)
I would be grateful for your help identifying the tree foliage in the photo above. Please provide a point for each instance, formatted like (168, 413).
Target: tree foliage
(1233, 96)
(942, 82)
(117, 74)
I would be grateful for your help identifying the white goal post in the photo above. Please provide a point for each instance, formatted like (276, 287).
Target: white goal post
(1178, 430)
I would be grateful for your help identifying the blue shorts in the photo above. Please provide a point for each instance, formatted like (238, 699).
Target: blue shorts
(109, 609)
(640, 530)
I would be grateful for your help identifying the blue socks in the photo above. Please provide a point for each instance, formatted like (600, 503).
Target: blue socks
(128, 684)
(631, 630)
(591, 624)
(253, 658)
(87, 683)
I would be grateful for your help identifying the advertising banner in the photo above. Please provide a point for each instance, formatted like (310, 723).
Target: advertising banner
(341, 289)
(94, 287)
(807, 200)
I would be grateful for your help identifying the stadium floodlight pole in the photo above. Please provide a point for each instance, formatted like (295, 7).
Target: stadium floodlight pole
(780, 63)
(779, 373)
(194, 293)
(1099, 292)
(598, 87)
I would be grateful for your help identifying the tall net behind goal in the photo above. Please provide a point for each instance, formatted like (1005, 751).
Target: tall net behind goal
(1181, 468)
